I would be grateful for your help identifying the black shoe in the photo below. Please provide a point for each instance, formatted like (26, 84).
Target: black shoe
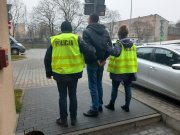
(91, 113)
(110, 107)
(100, 109)
(62, 122)
(73, 121)
(126, 109)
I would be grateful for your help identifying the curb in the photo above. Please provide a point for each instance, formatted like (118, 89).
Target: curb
(167, 118)
(170, 121)
(119, 126)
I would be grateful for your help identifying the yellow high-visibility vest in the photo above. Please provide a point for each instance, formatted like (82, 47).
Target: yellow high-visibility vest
(125, 63)
(66, 55)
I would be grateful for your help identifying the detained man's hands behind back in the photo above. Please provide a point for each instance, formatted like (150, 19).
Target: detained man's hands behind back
(101, 63)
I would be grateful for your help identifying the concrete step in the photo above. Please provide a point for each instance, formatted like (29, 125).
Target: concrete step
(119, 126)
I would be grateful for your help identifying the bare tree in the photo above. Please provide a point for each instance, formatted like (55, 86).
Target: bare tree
(111, 17)
(17, 11)
(79, 23)
(30, 26)
(31, 30)
(71, 10)
(142, 30)
(178, 24)
(147, 31)
(137, 30)
(68, 8)
(45, 13)
(51, 13)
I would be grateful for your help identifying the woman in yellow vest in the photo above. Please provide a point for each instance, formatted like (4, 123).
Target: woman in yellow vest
(65, 62)
(123, 68)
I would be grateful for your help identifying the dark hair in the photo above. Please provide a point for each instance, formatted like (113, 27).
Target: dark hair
(94, 18)
(66, 26)
(123, 32)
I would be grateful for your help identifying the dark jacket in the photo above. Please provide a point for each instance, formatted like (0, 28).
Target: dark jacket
(127, 43)
(84, 48)
(97, 36)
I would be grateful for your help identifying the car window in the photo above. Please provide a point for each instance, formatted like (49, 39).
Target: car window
(144, 53)
(166, 57)
(176, 59)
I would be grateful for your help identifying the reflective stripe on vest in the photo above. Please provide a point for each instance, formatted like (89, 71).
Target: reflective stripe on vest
(66, 55)
(125, 63)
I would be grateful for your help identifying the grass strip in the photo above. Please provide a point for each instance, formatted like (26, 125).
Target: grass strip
(17, 57)
(18, 99)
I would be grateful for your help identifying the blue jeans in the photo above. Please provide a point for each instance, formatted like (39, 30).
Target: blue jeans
(114, 92)
(95, 74)
(63, 87)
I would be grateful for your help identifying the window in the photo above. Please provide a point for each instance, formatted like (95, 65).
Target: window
(166, 57)
(176, 59)
(144, 53)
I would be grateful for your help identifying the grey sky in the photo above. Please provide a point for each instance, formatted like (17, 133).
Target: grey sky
(169, 9)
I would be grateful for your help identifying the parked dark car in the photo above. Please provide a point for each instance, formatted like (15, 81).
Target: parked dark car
(16, 47)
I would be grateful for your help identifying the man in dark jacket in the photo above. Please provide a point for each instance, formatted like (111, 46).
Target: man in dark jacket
(96, 35)
(63, 61)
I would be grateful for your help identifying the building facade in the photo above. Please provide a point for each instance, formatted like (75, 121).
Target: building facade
(173, 32)
(7, 100)
(144, 29)
(20, 31)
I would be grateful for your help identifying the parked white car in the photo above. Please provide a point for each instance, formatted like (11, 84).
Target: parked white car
(159, 69)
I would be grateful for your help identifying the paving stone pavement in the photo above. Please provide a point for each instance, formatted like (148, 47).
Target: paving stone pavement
(40, 109)
(157, 102)
(30, 73)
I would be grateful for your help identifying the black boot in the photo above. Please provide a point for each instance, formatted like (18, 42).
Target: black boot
(62, 122)
(91, 113)
(126, 109)
(110, 106)
(73, 121)
(100, 109)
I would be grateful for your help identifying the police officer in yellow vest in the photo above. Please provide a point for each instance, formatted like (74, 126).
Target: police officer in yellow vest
(65, 62)
(122, 68)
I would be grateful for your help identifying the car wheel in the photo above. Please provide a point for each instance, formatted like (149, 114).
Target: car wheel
(15, 52)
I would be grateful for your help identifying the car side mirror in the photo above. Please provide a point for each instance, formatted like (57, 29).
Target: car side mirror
(176, 66)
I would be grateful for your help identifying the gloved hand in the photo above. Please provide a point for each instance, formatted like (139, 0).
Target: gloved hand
(114, 51)
(101, 63)
(48, 75)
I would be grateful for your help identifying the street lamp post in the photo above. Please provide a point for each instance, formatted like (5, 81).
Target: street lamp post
(95, 5)
(161, 31)
(130, 18)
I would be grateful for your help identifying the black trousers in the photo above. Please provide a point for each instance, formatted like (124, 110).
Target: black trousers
(69, 87)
